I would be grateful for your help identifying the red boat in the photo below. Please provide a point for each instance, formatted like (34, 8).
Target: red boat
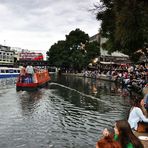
(40, 79)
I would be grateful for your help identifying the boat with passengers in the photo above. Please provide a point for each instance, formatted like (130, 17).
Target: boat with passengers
(39, 79)
(8, 72)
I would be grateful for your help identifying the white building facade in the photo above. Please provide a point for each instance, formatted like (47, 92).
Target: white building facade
(117, 56)
(6, 55)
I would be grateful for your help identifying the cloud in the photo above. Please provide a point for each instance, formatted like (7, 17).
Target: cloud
(37, 24)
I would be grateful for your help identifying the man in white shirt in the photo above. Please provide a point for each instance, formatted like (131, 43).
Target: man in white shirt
(30, 72)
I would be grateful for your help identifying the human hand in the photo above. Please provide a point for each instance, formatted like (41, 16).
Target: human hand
(116, 130)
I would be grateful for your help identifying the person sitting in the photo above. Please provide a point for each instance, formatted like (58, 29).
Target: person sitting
(107, 142)
(124, 135)
(136, 115)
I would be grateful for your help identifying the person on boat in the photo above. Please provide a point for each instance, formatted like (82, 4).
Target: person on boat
(22, 74)
(124, 135)
(136, 114)
(30, 72)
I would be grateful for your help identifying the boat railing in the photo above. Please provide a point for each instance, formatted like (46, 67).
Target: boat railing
(38, 77)
(41, 75)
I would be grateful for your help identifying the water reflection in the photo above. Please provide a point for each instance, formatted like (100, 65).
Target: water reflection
(7, 82)
(29, 101)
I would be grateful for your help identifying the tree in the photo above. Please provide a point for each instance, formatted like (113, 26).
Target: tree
(125, 24)
(93, 51)
(74, 41)
(57, 55)
(75, 52)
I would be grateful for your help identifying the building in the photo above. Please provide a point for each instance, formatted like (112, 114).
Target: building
(104, 56)
(95, 38)
(27, 55)
(6, 56)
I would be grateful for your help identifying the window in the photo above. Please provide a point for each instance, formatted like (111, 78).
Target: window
(2, 71)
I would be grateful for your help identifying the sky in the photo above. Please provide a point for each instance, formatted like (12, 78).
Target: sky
(38, 24)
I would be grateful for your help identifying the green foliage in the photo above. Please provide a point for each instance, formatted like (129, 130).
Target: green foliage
(56, 53)
(75, 52)
(93, 51)
(125, 24)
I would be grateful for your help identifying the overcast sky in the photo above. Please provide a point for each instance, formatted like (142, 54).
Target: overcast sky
(38, 24)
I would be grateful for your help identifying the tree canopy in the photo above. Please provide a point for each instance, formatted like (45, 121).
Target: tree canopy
(75, 52)
(125, 24)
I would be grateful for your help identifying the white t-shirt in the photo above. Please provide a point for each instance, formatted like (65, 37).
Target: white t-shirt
(29, 70)
(135, 116)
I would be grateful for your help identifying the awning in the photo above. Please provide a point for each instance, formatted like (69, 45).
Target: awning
(107, 62)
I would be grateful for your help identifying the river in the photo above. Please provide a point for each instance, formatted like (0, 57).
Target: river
(70, 113)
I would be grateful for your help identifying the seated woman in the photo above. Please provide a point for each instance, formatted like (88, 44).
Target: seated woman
(136, 115)
(108, 142)
(124, 135)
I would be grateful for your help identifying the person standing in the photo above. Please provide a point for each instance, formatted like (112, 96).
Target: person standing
(30, 72)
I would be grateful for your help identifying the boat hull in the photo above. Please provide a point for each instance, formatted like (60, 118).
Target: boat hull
(31, 86)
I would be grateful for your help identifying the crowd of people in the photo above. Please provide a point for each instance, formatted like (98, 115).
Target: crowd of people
(129, 75)
(123, 135)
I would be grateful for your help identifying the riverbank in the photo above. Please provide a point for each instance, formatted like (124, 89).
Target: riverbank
(145, 142)
(101, 77)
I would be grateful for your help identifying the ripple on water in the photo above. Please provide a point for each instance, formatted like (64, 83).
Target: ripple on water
(61, 116)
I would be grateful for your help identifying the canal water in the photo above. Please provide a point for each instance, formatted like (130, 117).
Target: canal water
(70, 113)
